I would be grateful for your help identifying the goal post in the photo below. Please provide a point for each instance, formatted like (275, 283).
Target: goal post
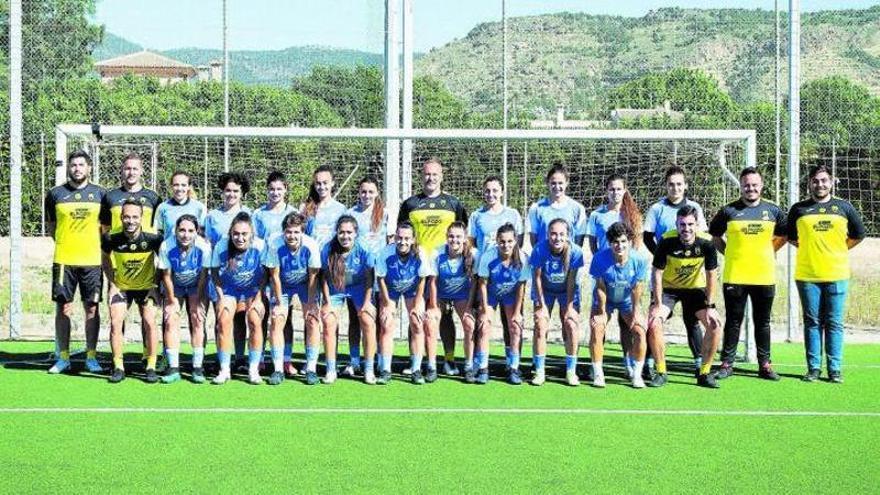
(713, 159)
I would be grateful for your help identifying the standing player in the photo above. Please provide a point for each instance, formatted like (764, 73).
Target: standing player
(401, 269)
(686, 271)
(484, 222)
(557, 265)
(431, 212)
(556, 205)
(129, 265)
(503, 272)
(184, 260)
(824, 228)
(621, 274)
(293, 260)
(72, 217)
(748, 232)
(660, 218)
(320, 208)
(619, 207)
(182, 202)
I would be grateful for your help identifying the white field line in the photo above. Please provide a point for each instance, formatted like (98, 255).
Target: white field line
(428, 411)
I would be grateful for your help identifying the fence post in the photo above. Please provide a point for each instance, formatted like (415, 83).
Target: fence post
(15, 159)
(794, 147)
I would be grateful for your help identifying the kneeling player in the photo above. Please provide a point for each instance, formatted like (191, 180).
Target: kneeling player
(129, 265)
(620, 273)
(686, 271)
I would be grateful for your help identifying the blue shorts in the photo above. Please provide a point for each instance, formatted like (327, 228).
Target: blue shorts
(624, 307)
(551, 299)
(240, 295)
(505, 299)
(180, 292)
(287, 293)
(357, 295)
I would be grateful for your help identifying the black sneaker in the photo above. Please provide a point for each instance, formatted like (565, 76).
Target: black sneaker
(724, 371)
(384, 378)
(240, 366)
(767, 373)
(514, 377)
(431, 375)
(707, 381)
(276, 378)
(648, 373)
(117, 376)
(161, 363)
(198, 375)
(312, 378)
(470, 375)
(151, 376)
(416, 378)
(658, 381)
(835, 377)
(811, 376)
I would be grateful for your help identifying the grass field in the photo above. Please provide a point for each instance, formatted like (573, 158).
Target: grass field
(78, 433)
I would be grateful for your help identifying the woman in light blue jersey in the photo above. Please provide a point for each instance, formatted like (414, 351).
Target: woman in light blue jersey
(452, 283)
(320, 209)
(483, 223)
(294, 261)
(619, 207)
(347, 274)
(503, 273)
(268, 217)
(372, 219)
(556, 205)
(238, 274)
(182, 201)
(401, 270)
(184, 261)
(557, 265)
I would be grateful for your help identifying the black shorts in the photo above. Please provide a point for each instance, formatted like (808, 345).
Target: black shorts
(65, 280)
(139, 297)
(692, 300)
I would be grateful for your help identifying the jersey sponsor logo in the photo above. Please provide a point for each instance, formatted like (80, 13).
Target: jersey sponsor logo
(823, 226)
(684, 272)
(431, 221)
(131, 267)
(752, 229)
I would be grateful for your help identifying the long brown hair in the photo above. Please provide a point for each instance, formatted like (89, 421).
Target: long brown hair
(310, 205)
(336, 259)
(378, 205)
(467, 250)
(629, 210)
(508, 228)
(566, 251)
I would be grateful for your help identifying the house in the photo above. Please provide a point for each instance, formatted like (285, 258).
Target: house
(617, 115)
(151, 64)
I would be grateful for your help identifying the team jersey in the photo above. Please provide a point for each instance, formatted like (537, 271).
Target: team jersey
(111, 207)
(373, 240)
(293, 265)
(619, 279)
(597, 225)
(322, 226)
(502, 279)
(553, 267)
(451, 276)
(543, 212)
(431, 216)
(268, 222)
(170, 210)
(749, 258)
(185, 265)
(133, 260)
(76, 214)
(358, 262)
(401, 274)
(684, 267)
(484, 223)
(821, 230)
(218, 221)
(660, 217)
(244, 273)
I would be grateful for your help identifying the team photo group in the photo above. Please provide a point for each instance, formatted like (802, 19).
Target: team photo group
(254, 268)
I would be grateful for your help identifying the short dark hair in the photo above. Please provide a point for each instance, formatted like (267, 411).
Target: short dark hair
(132, 156)
(274, 176)
(132, 202)
(673, 170)
(241, 180)
(557, 168)
(818, 169)
(749, 171)
(618, 229)
(80, 154)
(686, 211)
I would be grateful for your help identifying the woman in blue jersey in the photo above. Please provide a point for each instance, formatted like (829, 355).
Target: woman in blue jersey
(556, 266)
(320, 209)
(238, 274)
(184, 261)
(182, 201)
(621, 275)
(483, 223)
(372, 219)
(401, 270)
(293, 260)
(451, 283)
(347, 274)
(503, 273)
(619, 207)
(556, 205)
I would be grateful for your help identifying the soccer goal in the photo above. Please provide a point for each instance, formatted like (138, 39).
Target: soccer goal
(712, 159)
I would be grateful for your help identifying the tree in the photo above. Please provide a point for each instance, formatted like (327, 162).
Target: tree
(835, 109)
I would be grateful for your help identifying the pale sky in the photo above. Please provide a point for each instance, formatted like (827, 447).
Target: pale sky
(358, 24)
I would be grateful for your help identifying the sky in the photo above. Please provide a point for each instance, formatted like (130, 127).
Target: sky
(358, 24)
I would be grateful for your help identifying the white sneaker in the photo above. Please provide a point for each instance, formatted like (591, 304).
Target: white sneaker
(329, 377)
(94, 366)
(572, 379)
(450, 368)
(221, 378)
(60, 366)
(406, 371)
(370, 377)
(599, 381)
(638, 381)
(349, 372)
(255, 378)
(539, 378)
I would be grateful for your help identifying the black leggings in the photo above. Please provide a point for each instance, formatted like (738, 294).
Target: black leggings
(735, 297)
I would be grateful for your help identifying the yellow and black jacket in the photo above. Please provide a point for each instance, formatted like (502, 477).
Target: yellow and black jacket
(133, 260)
(749, 258)
(75, 213)
(821, 230)
(684, 267)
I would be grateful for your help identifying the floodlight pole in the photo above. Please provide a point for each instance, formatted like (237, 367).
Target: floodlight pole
(392, 107)
(225, 88)
(15, 159)
(406, 156)
(794, 146)
(504, 94)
